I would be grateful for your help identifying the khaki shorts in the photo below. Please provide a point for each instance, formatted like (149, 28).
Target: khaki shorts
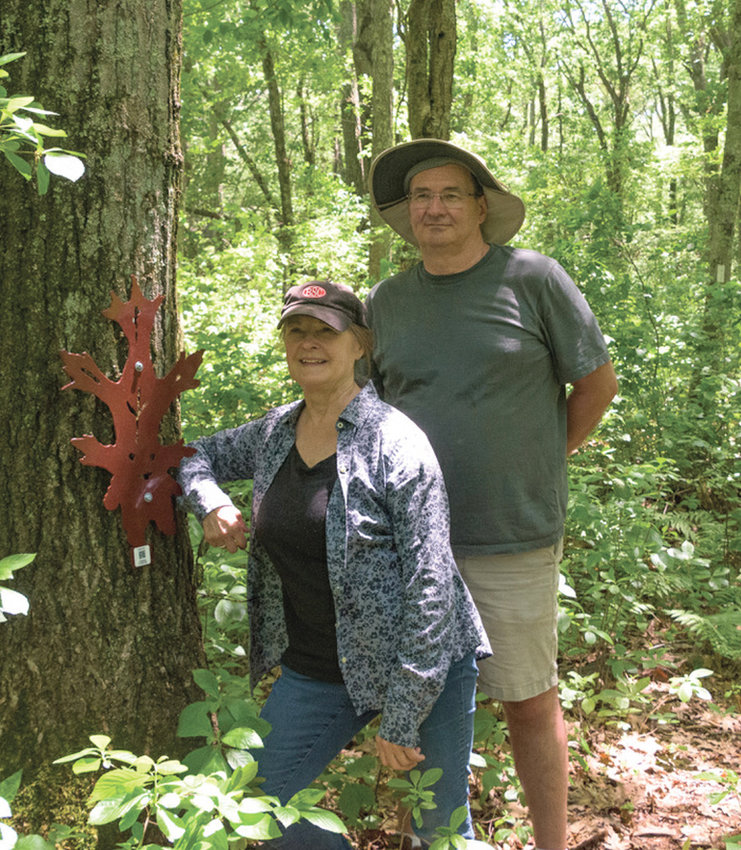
(516, 595)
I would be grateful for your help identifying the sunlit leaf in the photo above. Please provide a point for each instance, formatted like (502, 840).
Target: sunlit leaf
(64, 165)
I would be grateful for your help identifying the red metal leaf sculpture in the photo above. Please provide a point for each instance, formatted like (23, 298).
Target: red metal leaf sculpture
(139, 464)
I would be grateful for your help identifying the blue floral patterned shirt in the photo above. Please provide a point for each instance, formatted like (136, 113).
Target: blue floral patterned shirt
(403, 612)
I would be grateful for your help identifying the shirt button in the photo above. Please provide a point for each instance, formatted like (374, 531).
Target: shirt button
(343, 468)
(340, 426)
(343, 660)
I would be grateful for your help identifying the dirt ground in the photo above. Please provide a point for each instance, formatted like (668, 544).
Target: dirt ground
(639, 789)
(642, 791)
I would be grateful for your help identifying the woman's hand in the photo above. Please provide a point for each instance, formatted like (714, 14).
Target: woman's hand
(226, 528)
(397, 757)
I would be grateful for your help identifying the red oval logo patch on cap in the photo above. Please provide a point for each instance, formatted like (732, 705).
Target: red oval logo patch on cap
(314, 292)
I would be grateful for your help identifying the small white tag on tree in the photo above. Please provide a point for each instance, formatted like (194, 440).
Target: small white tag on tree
(142, 556)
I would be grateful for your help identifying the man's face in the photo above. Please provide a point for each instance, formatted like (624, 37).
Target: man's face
(437, 225)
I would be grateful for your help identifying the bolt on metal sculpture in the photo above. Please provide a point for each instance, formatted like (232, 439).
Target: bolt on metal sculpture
(139, 463)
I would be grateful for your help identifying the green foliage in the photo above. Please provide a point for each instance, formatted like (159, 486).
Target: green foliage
(191, 810)
(22, 137)
(415, 793)
(228, 718)
(11, 601)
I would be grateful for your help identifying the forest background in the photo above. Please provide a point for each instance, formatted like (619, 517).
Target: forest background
(619, 124)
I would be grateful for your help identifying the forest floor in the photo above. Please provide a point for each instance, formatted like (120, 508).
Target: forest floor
(640, 788)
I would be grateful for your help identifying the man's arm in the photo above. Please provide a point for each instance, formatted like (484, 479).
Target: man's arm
(587, 402)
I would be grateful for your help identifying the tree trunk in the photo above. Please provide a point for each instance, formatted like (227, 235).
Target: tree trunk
(352, 172)
(724, 210)
(283, 165)
(106, 647)
(430, 42)
(366, 31)
(383, 117)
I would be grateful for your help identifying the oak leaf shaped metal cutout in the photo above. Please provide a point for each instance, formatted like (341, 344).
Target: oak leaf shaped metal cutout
(139, 463)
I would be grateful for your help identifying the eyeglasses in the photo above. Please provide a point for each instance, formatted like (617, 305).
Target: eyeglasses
(451, 199)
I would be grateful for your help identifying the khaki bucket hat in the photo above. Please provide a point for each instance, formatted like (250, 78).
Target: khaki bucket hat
(388, 191)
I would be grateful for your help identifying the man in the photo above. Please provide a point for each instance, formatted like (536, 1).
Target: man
(477, 344)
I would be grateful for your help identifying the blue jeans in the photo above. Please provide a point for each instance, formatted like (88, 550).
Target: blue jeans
(312, 721)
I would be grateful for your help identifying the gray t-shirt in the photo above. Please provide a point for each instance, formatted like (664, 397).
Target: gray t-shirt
(479, 361)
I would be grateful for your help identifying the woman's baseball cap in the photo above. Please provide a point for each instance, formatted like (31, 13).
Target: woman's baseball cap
(389, 182)
(335, 304)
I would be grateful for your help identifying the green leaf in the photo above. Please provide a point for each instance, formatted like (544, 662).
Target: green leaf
(18, 102)
(254, 805)
(325, 820)
(116, 783)
(11, 57)
(87, 764)
(43, 130)
(194, 721)
(242, 738)
(207, 681)
(355, 797)
(306, 797)
(243, 775)
(458, 816)
(238, 758)
(206, 760)
(430, 777)
(265, 829)
(14, 562)
(9, 787)
(33, 842)
(107, 811)
(170, 767)
(171, 825)
(42, 178)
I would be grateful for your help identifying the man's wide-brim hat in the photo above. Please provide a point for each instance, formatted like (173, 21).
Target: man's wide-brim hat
(506, 212)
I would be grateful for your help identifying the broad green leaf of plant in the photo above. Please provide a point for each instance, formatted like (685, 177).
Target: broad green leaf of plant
(171, 825)
(33, 842)
(324, 820)
(242, 738)
(194, 721)
(14, 562)
(207, 681)
(262, 830)
(117, 783)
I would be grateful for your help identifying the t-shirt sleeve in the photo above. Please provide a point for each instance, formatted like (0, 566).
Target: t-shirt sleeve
(574, 336)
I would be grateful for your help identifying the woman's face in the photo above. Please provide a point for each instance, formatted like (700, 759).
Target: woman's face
(319, 357)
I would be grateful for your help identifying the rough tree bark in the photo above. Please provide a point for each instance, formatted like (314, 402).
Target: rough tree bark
(105, 648)
(352, 131)
(383, 117)
(430, 42)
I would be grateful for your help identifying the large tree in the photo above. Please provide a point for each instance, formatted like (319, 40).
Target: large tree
(106, 647)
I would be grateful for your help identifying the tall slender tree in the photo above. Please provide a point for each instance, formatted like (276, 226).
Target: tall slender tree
(106, 647)
(430, 42)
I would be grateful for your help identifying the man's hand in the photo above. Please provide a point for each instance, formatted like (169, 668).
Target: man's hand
(397, 757)
(225, 527)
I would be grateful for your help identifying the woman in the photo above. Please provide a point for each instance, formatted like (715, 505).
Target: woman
(352, 584)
